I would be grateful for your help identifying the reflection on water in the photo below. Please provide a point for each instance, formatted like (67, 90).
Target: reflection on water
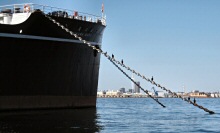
(47, 121)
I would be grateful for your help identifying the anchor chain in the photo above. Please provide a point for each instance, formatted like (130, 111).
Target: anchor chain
(105, 54)
(147, 92)
(115, 62)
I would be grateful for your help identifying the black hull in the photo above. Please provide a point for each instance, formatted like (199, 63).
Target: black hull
(42, 69)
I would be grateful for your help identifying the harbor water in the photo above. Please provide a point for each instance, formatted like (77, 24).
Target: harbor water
(129, 115)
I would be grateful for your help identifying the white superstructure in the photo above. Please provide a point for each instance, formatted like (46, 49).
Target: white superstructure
(18, 13)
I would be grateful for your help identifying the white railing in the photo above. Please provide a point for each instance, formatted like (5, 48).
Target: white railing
(60, 12)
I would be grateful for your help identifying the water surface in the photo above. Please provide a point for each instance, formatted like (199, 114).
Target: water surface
(130, 115)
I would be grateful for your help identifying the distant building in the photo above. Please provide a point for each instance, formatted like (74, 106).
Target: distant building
(161, 94)
(182, 94)
(130, 90)
(122, 90)
(113, 93)
(101, 93)
(196, 93)
(215, 95)
(136, 87)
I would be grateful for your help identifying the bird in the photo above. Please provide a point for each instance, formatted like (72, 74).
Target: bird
(112, 56)
(122, 61)
(152, 78)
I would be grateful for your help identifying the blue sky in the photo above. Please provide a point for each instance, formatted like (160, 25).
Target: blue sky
(176, 41)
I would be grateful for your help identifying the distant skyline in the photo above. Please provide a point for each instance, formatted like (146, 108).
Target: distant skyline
(177, 42)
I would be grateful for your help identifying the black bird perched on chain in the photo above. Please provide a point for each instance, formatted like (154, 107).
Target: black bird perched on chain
(122, 61)
(152, 78)
(112, 56)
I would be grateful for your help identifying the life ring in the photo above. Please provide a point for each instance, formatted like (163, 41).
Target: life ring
(27, 8)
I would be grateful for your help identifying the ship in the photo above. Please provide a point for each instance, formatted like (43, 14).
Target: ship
(41, 65)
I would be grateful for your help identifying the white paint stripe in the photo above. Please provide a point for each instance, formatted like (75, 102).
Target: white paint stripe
(42, 38)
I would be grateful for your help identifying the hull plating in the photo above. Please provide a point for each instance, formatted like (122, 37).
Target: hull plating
(46, 73)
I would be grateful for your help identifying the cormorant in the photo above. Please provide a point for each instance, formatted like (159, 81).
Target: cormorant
(152, 78)
(194, 100)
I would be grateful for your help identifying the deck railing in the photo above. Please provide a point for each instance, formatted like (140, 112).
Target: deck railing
(60, 12)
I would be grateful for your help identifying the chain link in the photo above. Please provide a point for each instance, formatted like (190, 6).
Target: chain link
(146, 91)
(115, 62)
